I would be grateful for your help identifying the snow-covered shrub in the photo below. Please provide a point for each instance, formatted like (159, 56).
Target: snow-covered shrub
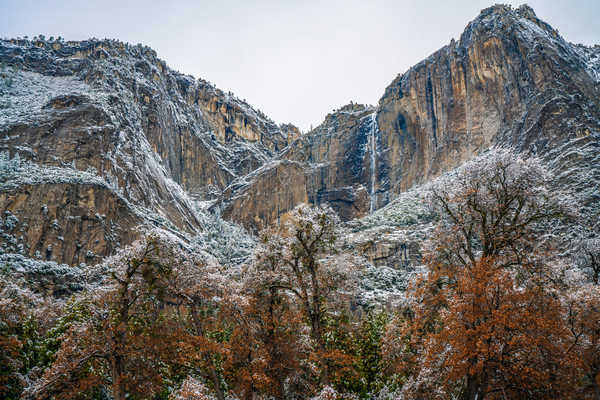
(10, 221)
(191, 389)
(228, 242)
(44, 277)
(327, 393)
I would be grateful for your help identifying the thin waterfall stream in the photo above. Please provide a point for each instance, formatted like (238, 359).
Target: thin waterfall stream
(373, 139)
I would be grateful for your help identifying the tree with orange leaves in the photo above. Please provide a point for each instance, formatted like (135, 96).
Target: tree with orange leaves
(583, 304)
(294, 284)
(266, 350)
(483, 334)
(119, 344)
(486, 319)
(202, 300)
(12, 312)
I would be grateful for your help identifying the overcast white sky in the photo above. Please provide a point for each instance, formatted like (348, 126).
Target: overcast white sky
(295, 60)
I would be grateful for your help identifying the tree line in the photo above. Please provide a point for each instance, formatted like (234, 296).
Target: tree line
(500, 311)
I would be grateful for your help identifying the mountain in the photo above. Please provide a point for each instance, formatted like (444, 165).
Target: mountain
(100, 140)
(510, 80)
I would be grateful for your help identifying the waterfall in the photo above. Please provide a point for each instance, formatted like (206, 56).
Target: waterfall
(373, 140)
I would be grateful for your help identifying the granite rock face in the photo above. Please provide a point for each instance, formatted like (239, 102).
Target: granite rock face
(73, 223)
(329, 165)
(510, 80)
(153, 142)
(100, 140)
(342, 149)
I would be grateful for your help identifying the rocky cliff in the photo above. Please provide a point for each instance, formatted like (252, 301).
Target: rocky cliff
(100, 139)
(510, 80)
(330, 165)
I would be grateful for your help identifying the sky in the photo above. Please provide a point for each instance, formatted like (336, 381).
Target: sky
(294, 60)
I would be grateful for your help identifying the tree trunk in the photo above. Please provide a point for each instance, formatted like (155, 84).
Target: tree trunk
(473, 389)
(275, 354)
(116, 373)
(119, 343)
(282, 394)
(250, 394)
(214, 377)
(596, 390)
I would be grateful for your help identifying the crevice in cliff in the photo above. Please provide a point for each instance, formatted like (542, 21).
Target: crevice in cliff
(373, 140)
(431, 108)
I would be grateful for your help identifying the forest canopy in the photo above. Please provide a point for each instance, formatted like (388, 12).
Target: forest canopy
(505, 308)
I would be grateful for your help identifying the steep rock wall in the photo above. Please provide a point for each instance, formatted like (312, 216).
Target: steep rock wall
(511, 80)
(156, 139)
(330, 165)
(73, 223)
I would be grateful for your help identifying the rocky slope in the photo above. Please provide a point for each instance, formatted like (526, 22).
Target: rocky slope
(141, 140)
(100, 139)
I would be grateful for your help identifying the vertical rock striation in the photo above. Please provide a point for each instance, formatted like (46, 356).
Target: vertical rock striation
(510, 80)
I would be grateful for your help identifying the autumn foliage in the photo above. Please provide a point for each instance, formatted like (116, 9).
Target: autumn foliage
(506, 307)
(481, 334)
(490, 319)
